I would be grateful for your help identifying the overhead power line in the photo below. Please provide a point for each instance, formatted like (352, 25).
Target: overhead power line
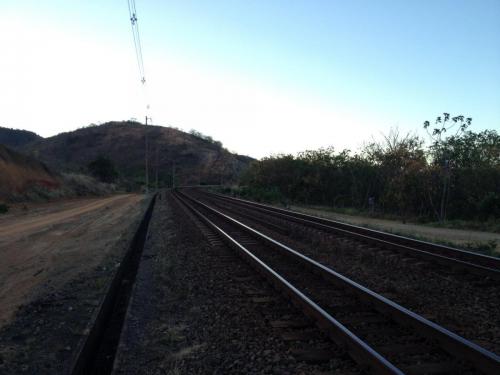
(140, 63)
(134, 21)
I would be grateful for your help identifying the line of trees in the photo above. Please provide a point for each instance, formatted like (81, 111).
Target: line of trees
(455, 177)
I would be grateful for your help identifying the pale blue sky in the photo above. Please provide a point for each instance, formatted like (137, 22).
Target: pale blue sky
(247, 72)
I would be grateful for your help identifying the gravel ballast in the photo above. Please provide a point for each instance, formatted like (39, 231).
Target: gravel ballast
(199, 309)
(463, 303)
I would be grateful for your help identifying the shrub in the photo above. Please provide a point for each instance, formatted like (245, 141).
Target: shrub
(103, 169)
(489, 205)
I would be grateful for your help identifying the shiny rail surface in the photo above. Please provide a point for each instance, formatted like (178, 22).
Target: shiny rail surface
(361, 351)
(478, 264)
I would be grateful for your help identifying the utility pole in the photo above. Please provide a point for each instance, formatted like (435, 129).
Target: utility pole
(157, 167)
(147, 156)
(173, 175)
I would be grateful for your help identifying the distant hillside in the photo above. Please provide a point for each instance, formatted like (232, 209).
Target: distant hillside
(194, 158)
(20, 173)
(16, 137)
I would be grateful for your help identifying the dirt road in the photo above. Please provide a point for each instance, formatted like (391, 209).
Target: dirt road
(456, 236)
(48, 244)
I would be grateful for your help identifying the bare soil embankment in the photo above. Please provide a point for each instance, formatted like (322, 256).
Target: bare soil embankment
(19, 173)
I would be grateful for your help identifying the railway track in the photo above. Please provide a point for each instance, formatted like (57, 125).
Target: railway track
(379, 334)
(452, 258)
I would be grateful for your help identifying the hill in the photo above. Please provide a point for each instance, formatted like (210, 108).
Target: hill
(191, 158)
(16, 137)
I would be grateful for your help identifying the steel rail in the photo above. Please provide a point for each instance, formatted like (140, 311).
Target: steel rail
(273, 227)
(360, 351)
(454, 344)
(479, 264)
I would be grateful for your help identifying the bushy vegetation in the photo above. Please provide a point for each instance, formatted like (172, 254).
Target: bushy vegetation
(204, 137)
(103, 169)
(76, 184)
(16, 137)
(455, 177)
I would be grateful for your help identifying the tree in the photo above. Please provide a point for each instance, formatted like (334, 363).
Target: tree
(400, 160)
(474, 181)
(441, 153)
(103, 169)
(455, 177)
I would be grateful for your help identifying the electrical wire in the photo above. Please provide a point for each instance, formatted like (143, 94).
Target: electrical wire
(137, 40)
